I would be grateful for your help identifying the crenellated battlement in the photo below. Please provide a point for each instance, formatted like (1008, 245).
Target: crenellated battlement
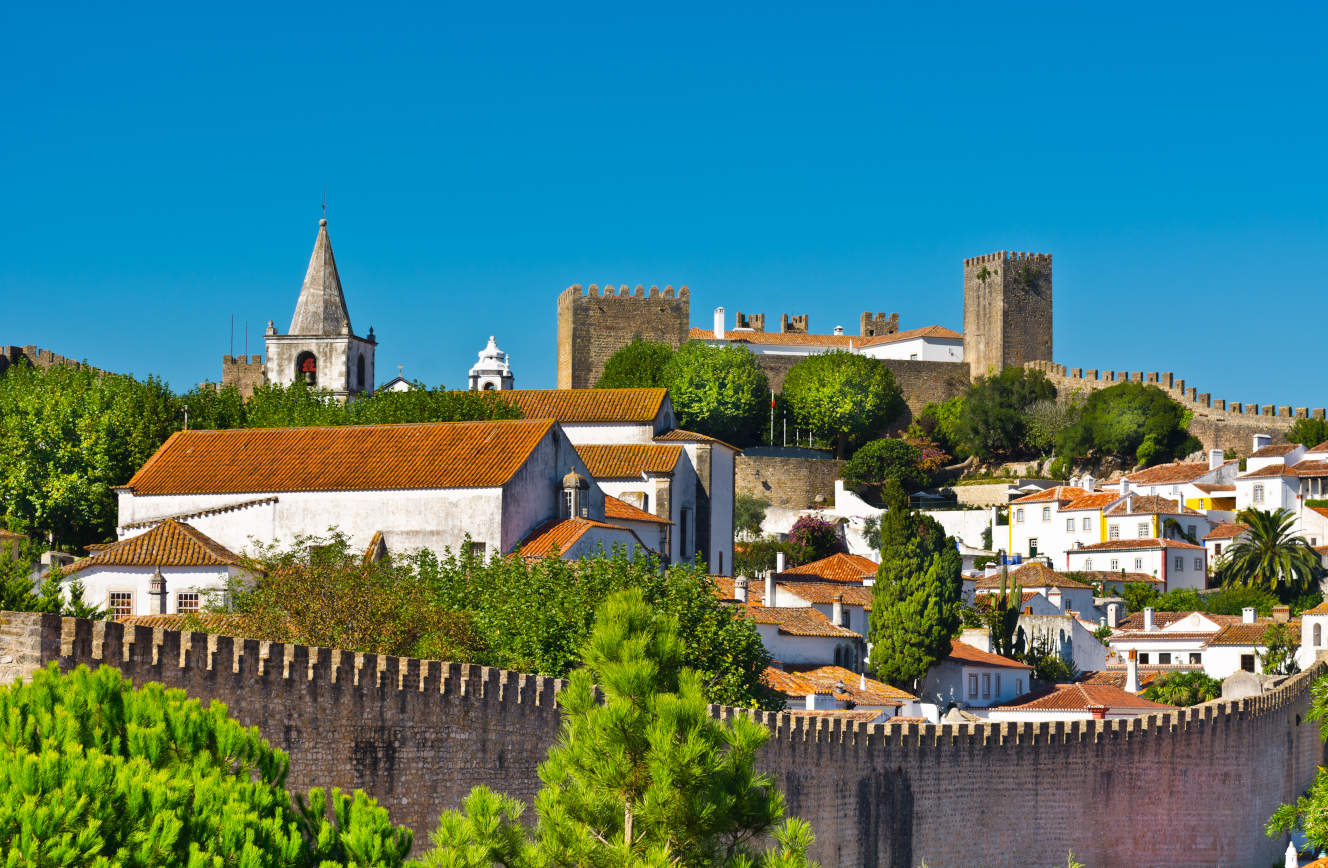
(1007, 256)
(625, 291)
(37, 358)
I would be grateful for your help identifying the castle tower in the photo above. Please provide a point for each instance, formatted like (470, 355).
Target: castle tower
(321, 349)
(493, 370)
(1007, 310)
(592, 327)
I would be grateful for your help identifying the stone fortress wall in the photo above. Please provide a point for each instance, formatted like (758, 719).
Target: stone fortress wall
(1191, 787)
(35, 356)
(1218, 423)
(591, 326)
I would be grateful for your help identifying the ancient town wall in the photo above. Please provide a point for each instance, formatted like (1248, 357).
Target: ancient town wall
(787, 481)
(591, 326)
(1191, 787)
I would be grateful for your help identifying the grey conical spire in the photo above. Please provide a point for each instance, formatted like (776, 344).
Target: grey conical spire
(321, 309)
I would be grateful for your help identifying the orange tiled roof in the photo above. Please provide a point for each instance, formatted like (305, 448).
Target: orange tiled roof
(587, 405)
(931, 331)
(9, 534)
(1146, 674)
(798, 621)
(210, 622)
(1081, 697)
(621, 510)
(1066, 493)
(835, 681)
(1032, 575)
(1092, 500)
(1173, 472)
(836, 568)
(1322, 447)
(1109, 576)
(1321, 609)
(1208, 488)
(1226, 530)
(628, 460)
(1149, 504)
(341, 458)
(971, 656)
(824, 593)
(724, 589)
(1275, 450)
(1304, 468)
(1270, 470)
(858, 715)
(1145, 543)
(1252, 634)
(561, 534)
(169, 544)
(678, 435)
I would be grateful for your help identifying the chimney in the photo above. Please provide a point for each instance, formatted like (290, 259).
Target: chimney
(740, 589)
(779, 562)
(1281, 614)
(1292, 857)
(770, 589)
(1124, 485)
(1132, 672)
(811, 701)
(1262, 440)
(1247, 615)
(839, 330)
(837, 610)
(157, 591)
(1054, 595)
(1099, 712)
(719, 323)
(1113, 615)
(1216, 458)
(862, 680)
(1148, 619)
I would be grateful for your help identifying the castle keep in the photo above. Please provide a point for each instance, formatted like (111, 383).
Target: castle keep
(591, 327)
(1007, 310)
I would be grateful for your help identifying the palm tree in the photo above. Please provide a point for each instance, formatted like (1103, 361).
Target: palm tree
(1268, 555)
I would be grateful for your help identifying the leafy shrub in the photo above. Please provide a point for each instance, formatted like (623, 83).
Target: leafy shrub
(811, 539)
(843, 396)
(748, 513)
(1131, 421)
(640, 364)
(886, 459)
(718, 391)
(1183, 688)
(993, 421)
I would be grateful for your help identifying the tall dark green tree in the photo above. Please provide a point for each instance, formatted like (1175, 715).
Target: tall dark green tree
(842, 396)
(916, 597)
(1270, 555)
(992, 415)
(1128, 420)
(640, 364)
(643, 776)
(718, 391)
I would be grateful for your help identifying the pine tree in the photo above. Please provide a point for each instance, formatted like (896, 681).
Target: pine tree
(641, 774)
(915, 600)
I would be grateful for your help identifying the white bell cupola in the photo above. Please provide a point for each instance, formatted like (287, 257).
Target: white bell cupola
(493, 370)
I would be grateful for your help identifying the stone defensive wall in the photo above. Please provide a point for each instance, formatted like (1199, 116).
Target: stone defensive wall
(786, 477)
(35, 356)
(1192, 787)
(1218, 423)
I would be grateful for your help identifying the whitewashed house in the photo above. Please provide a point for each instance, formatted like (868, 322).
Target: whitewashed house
(974, 680)
(1177, 564)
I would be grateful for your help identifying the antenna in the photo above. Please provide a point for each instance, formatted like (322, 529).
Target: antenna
(246, 337)
(232, 334)
(324, 203)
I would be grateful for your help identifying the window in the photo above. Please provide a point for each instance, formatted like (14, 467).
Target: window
(1258, 498)
(567, 504)
(1180, 564)
(1113, 532)
(685, 532)
(1198, 564)
(359, 373)
(972, 685)
(306, 368)
(986, 685)
(186, 601)
(1143, 657)
(1247, 662)
(1046, 513)
(720, 571)
(1088, 523)
(1191, 530)
(1032, 547)
(1164, 657)
(1115, 564)
(1143, 530)
(1318, 635)
(1138, 563)
(1088, 563)
(475, 549)
(1217, 548)
(1018, 686)
(913, 356)
(1196, 658)
(121, 603)
(1069, 524)
(1019, 515)
(1175, 489)
(998, 684)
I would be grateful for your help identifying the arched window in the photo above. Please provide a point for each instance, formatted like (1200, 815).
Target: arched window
(488, 386)
(306, 368)
(1318, 635)
(359, 373)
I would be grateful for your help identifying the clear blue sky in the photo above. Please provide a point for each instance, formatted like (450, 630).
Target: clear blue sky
(163, 168)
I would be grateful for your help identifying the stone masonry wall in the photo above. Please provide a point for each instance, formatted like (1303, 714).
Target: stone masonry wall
(1007, 310)
(246, 373)
(1217, 423)
(35, 356)
(1191, 787)
(787, 482)
(591, 327)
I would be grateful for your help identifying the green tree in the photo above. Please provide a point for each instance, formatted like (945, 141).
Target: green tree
(748, 513)
(642, 777)
(1007, 637)
(1280, 647)
(1128, 420)
(67, 436)
(843, 396)
(640, 364)
(1270, 555)
(718, 391)
(1308, 815)
(993, 419)
(884, 459)
(1308, 432)
(1183, 688)
(94, 771)
(916, 596)
(941, 422)
(812, 538)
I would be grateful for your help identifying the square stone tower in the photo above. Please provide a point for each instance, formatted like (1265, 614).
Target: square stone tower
(1007, 310)
(591, 327)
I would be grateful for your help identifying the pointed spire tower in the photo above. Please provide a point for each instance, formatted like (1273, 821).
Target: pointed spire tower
(321, 350)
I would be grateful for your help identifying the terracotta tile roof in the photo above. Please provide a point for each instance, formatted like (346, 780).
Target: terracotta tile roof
(823, 593)
(931, 331)
(1275, 450)
(1322, 447)
(169, 544)
(970, 656)
(561, 534)
(836, 568)
(1271, 470)
(1321, 609)
(1160, 636)
(1135, 620)
(1174, 472)
(587, 405)
(204, 622)
(1115, 676)
(1226, 530)
(1252, 634)
(857, 715)
(1303, 469)
(835, 681)
(798, 621)
(1093, 500)
(1081, 697)
(341, 458)
(1058, 493)
(1215, 489)
(621, 510)
(202, 513)
(1321, 510)
(1149, 504)
(1310, 468)
(678, 435)
(629, 460)
(1109, 576)
(724, 589)
(1033, 575)
(1146, 543)
(798, 339)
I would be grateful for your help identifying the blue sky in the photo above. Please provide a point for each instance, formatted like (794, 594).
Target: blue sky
(164, 167)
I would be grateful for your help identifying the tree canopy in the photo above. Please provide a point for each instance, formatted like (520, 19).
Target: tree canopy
(718, 391)
(886, 459)
(1308, 432)
(993, 416)
(847, 397)
(1129, 420)
(645, 777)
(1183, 688)
(1309, 813)
(640, 364)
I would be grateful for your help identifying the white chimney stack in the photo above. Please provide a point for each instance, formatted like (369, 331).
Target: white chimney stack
(1262, 440)
(1132, 671)
(839, 330)
(1124, 485)
(1113, 615)
(769, 589)
(779, 562)
(1247, 615)
(719, 323)
(1292, 857)
(1148, 619)
(1216, 458)
(740, 589)
(837, 610)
